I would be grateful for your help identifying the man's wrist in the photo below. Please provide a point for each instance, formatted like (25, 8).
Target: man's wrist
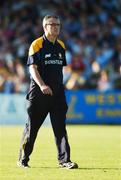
(43, 85)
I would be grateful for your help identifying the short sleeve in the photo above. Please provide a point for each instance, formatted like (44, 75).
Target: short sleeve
(64, 58)
(34, 52)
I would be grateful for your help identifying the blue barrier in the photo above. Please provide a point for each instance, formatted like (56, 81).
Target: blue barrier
(12, 109)
(94, 107)
(85, 107)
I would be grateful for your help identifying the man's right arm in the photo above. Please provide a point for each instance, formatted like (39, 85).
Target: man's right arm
(37, 78)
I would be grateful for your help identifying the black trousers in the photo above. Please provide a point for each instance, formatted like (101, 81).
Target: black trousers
(37, 111)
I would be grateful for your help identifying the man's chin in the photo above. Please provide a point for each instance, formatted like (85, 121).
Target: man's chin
(55, 33)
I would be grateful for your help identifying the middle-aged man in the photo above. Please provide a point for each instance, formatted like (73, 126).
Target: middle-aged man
(46, 94)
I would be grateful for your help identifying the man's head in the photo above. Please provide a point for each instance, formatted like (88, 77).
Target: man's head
(51, 25)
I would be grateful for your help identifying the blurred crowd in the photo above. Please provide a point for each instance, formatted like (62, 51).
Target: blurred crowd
(91, 30)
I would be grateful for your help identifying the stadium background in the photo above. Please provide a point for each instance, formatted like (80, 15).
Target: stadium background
(91, 31)
(92, 34)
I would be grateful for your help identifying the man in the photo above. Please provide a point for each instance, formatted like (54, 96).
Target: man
(46, 95)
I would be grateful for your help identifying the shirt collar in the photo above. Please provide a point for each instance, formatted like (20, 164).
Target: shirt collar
(45, 38)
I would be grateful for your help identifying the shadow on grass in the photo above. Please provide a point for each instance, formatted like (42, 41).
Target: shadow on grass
(100, 168)
(89, 169)
(43, 167)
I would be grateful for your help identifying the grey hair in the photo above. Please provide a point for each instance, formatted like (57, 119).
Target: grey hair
(48, 17)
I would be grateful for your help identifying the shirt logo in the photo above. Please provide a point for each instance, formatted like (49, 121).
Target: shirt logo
(47, 55)
(58, 62)
(60, 56)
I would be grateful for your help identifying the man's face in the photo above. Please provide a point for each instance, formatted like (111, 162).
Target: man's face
(52, 27)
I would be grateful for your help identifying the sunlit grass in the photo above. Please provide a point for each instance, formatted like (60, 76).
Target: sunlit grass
(96, 149)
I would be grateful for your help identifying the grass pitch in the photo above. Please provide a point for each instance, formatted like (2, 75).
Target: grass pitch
(96, 149)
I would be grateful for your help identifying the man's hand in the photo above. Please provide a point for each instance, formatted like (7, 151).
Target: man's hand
(37, 78)
(46, 90)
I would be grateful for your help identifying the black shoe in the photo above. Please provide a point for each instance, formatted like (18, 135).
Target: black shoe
(23, 165)
(68, 165)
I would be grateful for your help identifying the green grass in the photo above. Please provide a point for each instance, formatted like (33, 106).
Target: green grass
(96, 149)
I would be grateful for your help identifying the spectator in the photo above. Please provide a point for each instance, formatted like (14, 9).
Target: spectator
(91, 31)
(104, 83)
